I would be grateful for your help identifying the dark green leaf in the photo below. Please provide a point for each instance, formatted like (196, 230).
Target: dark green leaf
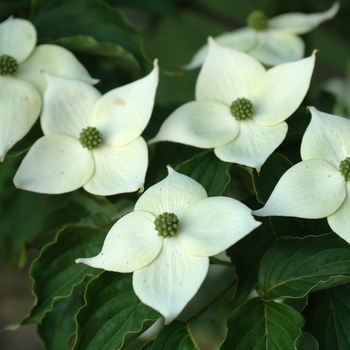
(272, 170)
(294, 266)
(55, 272)
(58, 326)
(263, 325)
(298, 227)
(174, 336)
(57, 19)
(166, 153)
(113, 315)
(87, 44)
(327, 317)
(307, 342)
(207, 169)
(246, 254)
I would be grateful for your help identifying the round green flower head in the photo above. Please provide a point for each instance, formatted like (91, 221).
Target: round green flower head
(344, 168)
(90, 138)
(166, 224)
(8, 65)
(257, 20)
(242, 109)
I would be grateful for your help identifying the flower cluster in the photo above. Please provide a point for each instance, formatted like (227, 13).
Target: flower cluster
(240, 110)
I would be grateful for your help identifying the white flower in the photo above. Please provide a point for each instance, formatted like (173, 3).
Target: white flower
(240, 107)
(90, 140)
(167, 239)
(21, 81)
(271, 45)
(318, 186)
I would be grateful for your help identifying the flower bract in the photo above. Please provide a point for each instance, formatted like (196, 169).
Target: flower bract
(169, 269)
(319, 185)
(240, 108)
(90, 140)
(21, 80)
(277, 43)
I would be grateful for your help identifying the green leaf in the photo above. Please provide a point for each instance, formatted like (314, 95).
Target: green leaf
(207, 169)
(55, 272)
(246, 254)
(174, 336)
(87, 44)
(113, 315)
(272, 170)
(263, 325)
(294, 266)
(307, 342)
(328, 318)
(298, 227)
(57, 19)
(58, 326)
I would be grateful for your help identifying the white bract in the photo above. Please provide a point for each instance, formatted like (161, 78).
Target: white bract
(90, 140)
(240, 107)
(167, 239)
(273, 44)
(318, 186)
(21, 81)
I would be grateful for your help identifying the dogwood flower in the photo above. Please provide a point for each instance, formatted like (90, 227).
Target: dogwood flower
(318, 186)
(90, 140)
(240, 107)
(271, 41)
(21, 81)
(167, 239)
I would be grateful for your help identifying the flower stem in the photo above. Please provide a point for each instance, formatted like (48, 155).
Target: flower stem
(211, 303)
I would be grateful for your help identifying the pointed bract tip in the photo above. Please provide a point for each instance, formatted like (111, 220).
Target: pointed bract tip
(141, 189)
(170, 169)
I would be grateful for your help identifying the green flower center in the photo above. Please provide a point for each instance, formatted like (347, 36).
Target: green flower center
(166, 224)
(257, 20)
(8, 65)
(242, 109)
(344, 168)
(90, 138)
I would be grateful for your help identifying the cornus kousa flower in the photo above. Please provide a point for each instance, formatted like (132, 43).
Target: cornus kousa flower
(240, 107)
(167, 239)
(90, 140)
(271, 41)
(21, 81)
(318, 186)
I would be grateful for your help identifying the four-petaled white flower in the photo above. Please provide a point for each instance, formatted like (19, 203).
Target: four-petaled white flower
(272, 41)
(90, 140)
(240, 107)
(167, 239)
(319, 185)
(21, 81)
